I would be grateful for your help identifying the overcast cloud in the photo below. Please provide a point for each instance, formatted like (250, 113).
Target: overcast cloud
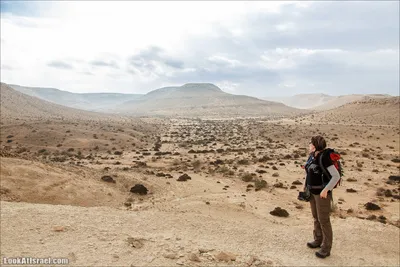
(254, 48)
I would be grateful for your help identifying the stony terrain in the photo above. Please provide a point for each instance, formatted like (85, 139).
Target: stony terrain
(197, 192)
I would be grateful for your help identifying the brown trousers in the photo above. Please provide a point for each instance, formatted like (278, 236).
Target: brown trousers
(320, 209)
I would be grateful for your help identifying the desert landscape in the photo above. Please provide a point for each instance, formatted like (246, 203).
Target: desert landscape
(193, 176)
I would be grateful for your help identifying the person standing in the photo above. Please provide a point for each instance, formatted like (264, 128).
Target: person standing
(320, 188)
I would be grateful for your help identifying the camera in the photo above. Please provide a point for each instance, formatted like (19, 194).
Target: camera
(304, 196)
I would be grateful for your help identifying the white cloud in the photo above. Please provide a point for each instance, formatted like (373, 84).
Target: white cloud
(228, 86)
(224, 61)
(85, 46)
(86, 30)
(291, 58)
(287, 84)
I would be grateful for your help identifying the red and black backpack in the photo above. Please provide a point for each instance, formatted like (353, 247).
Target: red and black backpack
(335, 157)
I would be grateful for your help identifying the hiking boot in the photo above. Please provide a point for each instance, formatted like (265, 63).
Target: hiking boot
(314, 244)
(322, 254)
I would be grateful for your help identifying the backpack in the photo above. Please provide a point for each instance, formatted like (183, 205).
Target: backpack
(335, 157)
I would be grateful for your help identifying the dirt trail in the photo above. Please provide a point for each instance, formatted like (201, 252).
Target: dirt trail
(97, 236)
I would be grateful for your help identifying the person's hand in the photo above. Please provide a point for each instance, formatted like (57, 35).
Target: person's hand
(324, 193)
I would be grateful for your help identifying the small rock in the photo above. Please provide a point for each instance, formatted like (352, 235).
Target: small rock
(205, 250)
(139, 189)
(108, 179)
(172, 256)
(350, 211)
(394, 178)
(134, 242)
(184, 178)
(351, 190)
(59, 229)
(279, 212)
(383, 218)
(372, 206)
(297, 182)
(194, 257)
(225, 256)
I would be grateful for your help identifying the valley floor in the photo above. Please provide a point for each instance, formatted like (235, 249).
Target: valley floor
(55, 202)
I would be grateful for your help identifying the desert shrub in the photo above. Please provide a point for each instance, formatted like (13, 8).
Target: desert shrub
(243, 162)
(247, 177)
(59, 159)
(259, 184)
(196, 164)
(223, 169)
(22, 150)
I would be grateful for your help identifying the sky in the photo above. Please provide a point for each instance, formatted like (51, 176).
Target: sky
(256, 48)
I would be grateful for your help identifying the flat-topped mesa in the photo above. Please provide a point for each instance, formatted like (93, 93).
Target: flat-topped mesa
(201, 87)
(187, 90)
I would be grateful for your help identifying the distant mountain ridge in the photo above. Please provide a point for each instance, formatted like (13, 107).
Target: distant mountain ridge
(201, 99)
(17, 105)
(85, 101)
(322, 101)
(191, 99)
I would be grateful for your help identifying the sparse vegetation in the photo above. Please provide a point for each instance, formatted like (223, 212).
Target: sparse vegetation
(247, 177)
(260, 184)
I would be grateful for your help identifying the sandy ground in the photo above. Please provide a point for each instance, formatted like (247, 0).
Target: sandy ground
(55, 204)
(99, 237)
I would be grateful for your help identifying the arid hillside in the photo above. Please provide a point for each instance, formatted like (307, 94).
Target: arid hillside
(84, 101)
(346, 99)
(16, 105)
(376, 111)
(322, 102)
(29, 124)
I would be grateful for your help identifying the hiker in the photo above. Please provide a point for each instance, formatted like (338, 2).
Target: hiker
(320, 188)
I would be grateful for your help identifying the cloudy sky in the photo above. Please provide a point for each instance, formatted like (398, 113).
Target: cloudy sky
(253, 48)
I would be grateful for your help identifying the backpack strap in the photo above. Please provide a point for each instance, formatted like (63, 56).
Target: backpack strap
(325, 172)
(305, 167)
